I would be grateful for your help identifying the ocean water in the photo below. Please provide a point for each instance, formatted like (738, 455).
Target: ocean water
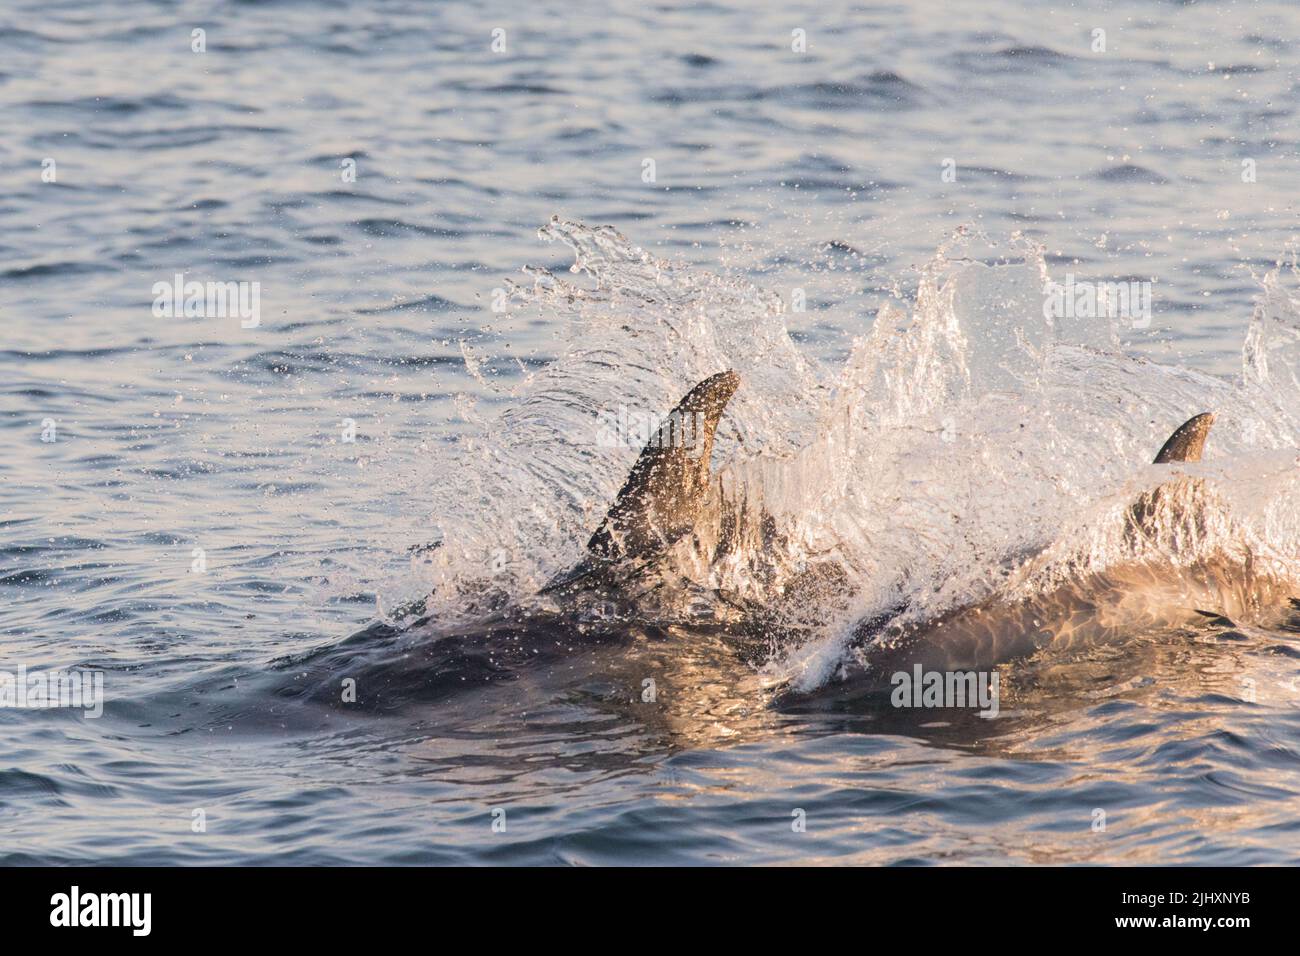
(227, 515)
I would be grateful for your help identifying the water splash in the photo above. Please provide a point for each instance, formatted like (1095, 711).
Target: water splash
(967, 432)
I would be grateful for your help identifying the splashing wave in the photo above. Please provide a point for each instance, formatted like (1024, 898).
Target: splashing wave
(969, 445)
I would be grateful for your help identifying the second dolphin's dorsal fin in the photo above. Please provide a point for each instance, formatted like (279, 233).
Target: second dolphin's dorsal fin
(664, 492)
(1188, 440)
(1159, 504)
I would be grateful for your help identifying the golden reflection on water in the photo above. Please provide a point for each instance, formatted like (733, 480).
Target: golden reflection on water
(1147, 732)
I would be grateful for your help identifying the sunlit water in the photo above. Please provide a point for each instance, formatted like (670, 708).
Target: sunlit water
(202, 533)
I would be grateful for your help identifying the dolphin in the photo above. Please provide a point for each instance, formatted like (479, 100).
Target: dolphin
(1162, 580)
(671, 505)
(659, 505)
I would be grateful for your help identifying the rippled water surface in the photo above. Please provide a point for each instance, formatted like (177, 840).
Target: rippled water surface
(202, 532)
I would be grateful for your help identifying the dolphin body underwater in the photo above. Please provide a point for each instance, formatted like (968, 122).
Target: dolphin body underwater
(670, 502)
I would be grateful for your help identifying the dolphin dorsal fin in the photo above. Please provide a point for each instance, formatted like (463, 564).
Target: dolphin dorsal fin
(664, 492)
(1188, 440)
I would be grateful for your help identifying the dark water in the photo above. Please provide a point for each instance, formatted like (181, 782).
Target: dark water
(818, 171)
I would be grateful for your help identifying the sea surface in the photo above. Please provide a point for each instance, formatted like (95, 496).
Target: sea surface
(851, 204)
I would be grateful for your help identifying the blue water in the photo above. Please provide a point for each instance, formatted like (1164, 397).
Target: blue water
(821, 171)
